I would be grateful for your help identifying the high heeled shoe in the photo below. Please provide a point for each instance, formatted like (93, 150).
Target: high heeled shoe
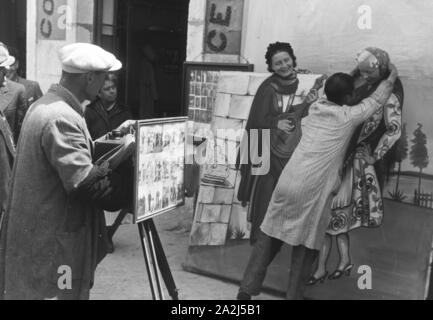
(313, 280)
(337, 274)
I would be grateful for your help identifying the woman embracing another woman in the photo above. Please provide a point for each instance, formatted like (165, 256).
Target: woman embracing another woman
(369, 159)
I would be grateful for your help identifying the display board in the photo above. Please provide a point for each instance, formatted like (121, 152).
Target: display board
(160, 166)
(199, 93)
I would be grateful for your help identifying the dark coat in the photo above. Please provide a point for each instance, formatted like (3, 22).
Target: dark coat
(14, 105)
(33, 91)
(100, 122)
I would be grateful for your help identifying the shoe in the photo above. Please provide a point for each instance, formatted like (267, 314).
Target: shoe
(337, 274)
(313, 280)
(243, 296)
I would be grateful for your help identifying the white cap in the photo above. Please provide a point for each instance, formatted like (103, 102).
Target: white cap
(85, 57)
(6, 60)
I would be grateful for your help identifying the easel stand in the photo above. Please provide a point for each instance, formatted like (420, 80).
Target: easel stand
(156, 261)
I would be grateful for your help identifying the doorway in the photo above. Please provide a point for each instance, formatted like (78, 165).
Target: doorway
(13, 24)
(150, 37)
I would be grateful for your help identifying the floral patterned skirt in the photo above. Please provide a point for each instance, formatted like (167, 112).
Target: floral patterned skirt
(358, 202)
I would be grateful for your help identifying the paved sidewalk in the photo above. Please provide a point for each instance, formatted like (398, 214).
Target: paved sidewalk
(122, 275)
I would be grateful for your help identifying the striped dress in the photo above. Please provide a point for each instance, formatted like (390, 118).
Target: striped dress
(299, 211)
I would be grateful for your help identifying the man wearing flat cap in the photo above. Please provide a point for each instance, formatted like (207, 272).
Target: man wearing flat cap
(53, 234)
(13, 102)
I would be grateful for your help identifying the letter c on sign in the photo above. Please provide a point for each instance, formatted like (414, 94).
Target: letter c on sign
(48, 7)
(213, 47)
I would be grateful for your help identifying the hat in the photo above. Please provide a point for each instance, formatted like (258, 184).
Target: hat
(86, 57)
(6, 60)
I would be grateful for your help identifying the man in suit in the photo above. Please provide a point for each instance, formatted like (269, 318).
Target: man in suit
(7, 151)
(32, 89)
(7, 155)
(12, 95)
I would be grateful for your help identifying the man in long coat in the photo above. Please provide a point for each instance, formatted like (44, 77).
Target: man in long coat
(53, 234)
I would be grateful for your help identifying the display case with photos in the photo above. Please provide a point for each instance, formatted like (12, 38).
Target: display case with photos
(200, 81)
(160, 166)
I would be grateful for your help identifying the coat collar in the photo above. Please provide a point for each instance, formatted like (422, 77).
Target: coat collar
(68, 97)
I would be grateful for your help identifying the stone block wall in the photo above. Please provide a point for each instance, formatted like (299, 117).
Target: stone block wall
(219, 216)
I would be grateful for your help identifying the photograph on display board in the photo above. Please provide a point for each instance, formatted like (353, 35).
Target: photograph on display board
(159, 167)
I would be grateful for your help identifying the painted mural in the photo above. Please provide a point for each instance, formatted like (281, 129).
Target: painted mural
(393, 244)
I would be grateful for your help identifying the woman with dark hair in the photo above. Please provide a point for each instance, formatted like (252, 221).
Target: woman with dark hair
(273, 108)
(370, 156)
(104, 115)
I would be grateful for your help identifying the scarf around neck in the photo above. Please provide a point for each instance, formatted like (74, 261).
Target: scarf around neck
(284, 86)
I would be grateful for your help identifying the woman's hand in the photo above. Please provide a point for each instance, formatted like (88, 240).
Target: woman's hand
(320, 82)
(393, 72)
(286, 126)
(312, 96)
(364, 153)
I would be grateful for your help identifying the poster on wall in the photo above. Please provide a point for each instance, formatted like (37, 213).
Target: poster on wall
(223, 26)
(160, 163)
(53, 17)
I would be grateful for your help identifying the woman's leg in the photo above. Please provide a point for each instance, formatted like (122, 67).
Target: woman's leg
(264, 251)
(323, 257)
(301, 266)
(343, 244)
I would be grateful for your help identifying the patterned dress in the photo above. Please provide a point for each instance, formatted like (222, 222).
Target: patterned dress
(312, 177)
(359, 200)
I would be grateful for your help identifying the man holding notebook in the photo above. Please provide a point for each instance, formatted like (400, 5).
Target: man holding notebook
(53, 234)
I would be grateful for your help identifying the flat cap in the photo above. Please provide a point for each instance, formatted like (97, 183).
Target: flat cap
(86, 57)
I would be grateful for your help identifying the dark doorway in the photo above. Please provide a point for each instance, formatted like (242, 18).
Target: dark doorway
(13, 24)
(150, 36)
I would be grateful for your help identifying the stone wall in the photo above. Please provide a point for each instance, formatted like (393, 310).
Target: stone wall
(219, 215)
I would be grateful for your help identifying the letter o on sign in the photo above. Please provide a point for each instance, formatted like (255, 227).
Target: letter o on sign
(48, 7)
(46, 28)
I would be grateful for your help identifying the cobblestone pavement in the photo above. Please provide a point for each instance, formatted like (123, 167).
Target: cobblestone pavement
(122, 275)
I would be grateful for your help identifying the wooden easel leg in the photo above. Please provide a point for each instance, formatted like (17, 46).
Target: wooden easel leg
(163, 264)
(150, 237)
(147, 257)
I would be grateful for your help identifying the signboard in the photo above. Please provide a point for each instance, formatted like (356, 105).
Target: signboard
(223, 26)
(53, 19)
(160, 166)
